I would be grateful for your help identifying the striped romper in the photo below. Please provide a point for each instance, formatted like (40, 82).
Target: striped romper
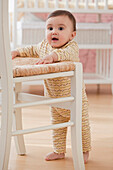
(60, 87)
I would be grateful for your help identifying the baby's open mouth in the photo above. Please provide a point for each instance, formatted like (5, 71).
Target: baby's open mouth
(54, 38)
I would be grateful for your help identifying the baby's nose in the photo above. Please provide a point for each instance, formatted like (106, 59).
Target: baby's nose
(54, 31)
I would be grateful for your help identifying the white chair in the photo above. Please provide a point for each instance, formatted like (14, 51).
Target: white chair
(74, 102)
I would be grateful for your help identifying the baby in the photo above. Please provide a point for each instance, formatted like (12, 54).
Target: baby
(60, 46)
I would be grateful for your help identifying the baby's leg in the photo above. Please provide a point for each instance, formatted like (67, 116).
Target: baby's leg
(59, 135)
(86, 137)
(86, 156)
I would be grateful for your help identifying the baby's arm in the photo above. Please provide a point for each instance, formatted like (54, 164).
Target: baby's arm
(51, 58)
(69, 53)
(29, 51)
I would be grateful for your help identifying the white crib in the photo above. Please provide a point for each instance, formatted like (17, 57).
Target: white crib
(98, 36)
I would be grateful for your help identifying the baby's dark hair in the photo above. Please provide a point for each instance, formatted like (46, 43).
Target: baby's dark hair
(66, 13)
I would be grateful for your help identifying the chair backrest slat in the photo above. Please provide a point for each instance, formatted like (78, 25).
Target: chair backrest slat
(5, 57)
(6, 84)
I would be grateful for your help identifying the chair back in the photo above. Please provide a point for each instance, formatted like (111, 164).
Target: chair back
(5, 54)
(6, 76)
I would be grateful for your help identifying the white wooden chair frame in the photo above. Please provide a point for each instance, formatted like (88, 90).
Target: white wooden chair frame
(74, 102)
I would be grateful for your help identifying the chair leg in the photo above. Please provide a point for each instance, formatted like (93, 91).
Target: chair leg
(5, 143)
(76, 117)
(19, 140)
(76, 139)
(17, 124)
(76, 143)
(6, 125)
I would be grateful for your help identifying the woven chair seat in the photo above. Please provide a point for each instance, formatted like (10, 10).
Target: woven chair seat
(27, 67)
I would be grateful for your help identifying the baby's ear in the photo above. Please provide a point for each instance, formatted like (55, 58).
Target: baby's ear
(73, 34)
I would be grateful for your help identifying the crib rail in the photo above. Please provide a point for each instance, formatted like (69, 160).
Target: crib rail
(78, 6)
(103, 62)
(103, 71)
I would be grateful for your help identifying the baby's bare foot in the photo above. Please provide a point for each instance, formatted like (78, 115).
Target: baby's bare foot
(86, 156)
(54, 156)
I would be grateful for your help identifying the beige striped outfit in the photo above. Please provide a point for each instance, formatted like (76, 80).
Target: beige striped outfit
(60, 87)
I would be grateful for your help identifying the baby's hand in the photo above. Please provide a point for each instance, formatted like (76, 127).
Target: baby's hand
(48, 59)
(14, 54)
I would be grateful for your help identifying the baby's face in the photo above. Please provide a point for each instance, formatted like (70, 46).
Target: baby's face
(59, 30)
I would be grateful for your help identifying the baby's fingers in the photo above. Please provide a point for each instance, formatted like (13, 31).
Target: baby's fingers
(13, 57)
(40, 61)
(47, 62)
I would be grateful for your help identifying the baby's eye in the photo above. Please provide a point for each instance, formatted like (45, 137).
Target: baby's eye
(61, 28)
(50, 28)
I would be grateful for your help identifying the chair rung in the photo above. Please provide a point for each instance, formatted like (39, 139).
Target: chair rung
(45, 102)
(43, 76)
(43, 128)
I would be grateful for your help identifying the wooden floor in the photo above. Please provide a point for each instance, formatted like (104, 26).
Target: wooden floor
(38, 145)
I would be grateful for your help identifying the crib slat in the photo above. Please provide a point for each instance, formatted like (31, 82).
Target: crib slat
(46, 4)
(106, 4)
(97, 62)
(81, 6)
(110, 52)
(107, 64)
(111, 66)
(56, 3)
(104, 62)
(36, 3)
(76, 4)
(96, 4)
(25, 4)
(86, 4)
(100, 56)
(67, 5)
